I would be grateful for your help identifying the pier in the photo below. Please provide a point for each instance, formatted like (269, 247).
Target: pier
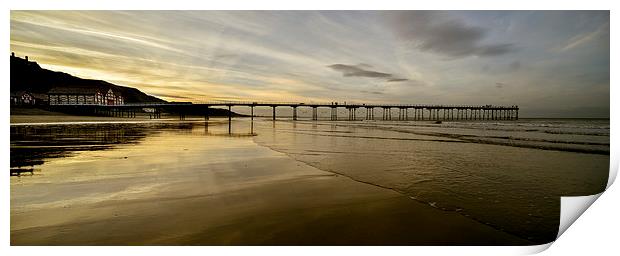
(406, 112)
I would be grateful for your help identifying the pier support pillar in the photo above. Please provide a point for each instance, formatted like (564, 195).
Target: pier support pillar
(517, 114)
(274, 112)
(335, 114)
(229, 114)
(315, 115)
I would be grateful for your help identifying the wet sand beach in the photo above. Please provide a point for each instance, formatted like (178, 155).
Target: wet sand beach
(187, 184)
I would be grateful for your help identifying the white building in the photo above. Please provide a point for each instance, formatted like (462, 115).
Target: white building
(84, 96)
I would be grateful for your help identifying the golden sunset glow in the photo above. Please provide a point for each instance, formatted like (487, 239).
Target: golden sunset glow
(560, 67)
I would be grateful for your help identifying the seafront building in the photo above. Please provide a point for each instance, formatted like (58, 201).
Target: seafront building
(28, 98)
(65, 95)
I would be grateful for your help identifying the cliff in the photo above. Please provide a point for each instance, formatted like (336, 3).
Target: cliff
(29, 76)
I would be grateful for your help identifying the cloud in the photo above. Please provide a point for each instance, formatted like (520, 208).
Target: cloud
(373, 92)
(584, 38)
(433, 33)
(357, 70)
(225, 56)
(500, 85)
(515, 65)
(360, 70)
(165, 95)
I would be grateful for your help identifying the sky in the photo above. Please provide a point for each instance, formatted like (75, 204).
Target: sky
(549, 63)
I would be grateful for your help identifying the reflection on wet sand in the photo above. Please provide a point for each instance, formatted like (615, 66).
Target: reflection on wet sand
(31, 145)
(23, 171)
(230, 132)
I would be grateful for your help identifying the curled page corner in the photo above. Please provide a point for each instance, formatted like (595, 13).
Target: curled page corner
(613, 171)
(572, 207)
(534, 249)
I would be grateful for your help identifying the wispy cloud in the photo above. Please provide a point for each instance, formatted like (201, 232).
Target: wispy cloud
(586, 37)
(397, 80)
(357, 70)
(172, 96)
(515, 65)
(372, 92)
(361, 70)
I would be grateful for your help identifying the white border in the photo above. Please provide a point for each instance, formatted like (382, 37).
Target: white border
(596, 228)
